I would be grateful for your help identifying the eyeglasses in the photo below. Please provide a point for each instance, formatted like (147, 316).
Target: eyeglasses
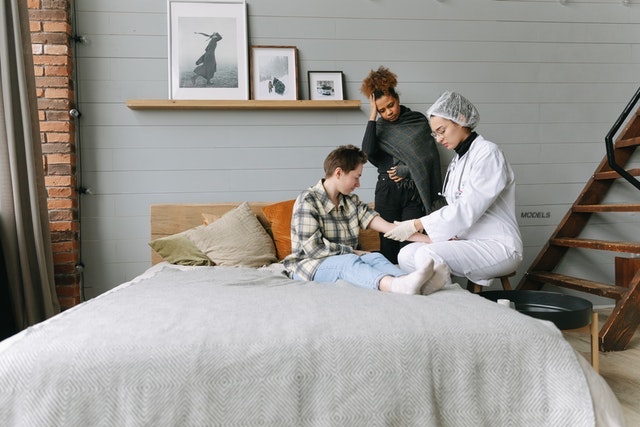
(439, 133)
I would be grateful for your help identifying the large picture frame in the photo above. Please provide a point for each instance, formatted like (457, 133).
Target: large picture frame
(208, 49)
(326, 85)
(274, 72)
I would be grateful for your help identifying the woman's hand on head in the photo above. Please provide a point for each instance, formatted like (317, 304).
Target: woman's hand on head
(373, 109)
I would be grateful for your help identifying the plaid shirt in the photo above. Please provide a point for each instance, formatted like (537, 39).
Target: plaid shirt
(319, 229)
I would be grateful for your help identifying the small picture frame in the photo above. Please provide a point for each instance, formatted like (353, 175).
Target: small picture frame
(208, 49)
(274, 73)
(326, 85)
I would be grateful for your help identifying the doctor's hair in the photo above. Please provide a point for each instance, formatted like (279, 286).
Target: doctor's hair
(380, 82)
(345, 157)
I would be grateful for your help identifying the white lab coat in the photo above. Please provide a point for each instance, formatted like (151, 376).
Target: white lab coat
(476, 234)
(480, 192)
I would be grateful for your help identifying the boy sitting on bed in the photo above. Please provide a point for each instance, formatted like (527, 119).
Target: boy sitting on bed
(325, 226)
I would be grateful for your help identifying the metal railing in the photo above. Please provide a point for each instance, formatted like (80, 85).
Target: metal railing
(608, 141)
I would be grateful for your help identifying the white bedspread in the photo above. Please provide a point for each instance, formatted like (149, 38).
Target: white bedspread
(235, 346)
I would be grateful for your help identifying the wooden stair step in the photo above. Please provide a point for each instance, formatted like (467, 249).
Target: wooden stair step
(610, 174)
(597, 288)
(604, 245)
(628, 142)
(616, 207)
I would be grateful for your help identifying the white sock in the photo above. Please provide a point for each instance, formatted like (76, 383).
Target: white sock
(413, 282)
(441, 276)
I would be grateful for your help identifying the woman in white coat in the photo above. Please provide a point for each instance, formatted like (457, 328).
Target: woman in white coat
(476, 235)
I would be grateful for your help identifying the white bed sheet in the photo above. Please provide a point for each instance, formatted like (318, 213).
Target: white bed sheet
(237, 346)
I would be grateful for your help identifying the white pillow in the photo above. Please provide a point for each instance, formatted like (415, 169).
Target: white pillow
(236, 239)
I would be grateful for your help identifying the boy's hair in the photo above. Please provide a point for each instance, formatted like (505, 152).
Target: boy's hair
(345, 157)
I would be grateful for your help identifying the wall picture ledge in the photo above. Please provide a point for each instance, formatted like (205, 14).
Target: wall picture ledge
(208, 49)
(173, 104)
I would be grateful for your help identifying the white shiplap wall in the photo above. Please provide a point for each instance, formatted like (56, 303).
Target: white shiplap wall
(549, 80)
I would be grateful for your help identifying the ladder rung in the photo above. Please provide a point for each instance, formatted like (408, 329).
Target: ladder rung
(601, 289)
(614, 174)
(618, 207)
(604, 245)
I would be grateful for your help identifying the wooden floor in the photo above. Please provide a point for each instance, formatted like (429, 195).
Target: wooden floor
(621, 369)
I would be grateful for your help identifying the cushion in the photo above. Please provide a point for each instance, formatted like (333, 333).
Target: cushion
(279, 216)
(179, 249)
(236, 239)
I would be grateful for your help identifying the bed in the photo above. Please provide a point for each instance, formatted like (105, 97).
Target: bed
(187, 344)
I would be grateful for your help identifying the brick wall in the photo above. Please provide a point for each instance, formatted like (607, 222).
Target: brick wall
(50, 22)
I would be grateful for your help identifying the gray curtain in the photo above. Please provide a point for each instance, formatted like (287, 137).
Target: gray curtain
(24, 221)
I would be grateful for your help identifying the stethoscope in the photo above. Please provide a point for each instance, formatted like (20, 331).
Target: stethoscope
(452, 166)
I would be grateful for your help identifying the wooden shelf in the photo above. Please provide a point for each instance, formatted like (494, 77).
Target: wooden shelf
(195, 104)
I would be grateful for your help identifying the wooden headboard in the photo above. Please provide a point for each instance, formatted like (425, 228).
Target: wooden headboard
(168, 219)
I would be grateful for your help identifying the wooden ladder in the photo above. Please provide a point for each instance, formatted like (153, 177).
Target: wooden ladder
(625, 317)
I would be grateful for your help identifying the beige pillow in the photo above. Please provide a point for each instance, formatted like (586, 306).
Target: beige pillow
(236, 239)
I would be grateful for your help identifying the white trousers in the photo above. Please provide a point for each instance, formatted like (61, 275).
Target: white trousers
(478, 260)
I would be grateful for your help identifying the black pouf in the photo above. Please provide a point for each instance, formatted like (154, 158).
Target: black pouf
(565, 311)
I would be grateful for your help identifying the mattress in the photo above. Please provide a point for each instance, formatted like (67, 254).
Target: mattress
(239, 346)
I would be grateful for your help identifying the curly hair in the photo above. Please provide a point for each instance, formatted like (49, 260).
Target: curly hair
(380, 82)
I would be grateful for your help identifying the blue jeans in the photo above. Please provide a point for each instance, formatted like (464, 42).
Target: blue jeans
(364, 271)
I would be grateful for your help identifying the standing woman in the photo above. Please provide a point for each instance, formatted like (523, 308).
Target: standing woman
(476, 234)
(400, 145)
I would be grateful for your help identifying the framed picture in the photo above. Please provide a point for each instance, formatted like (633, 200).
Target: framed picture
(208, 49)
(326, 85)
(274, 72)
